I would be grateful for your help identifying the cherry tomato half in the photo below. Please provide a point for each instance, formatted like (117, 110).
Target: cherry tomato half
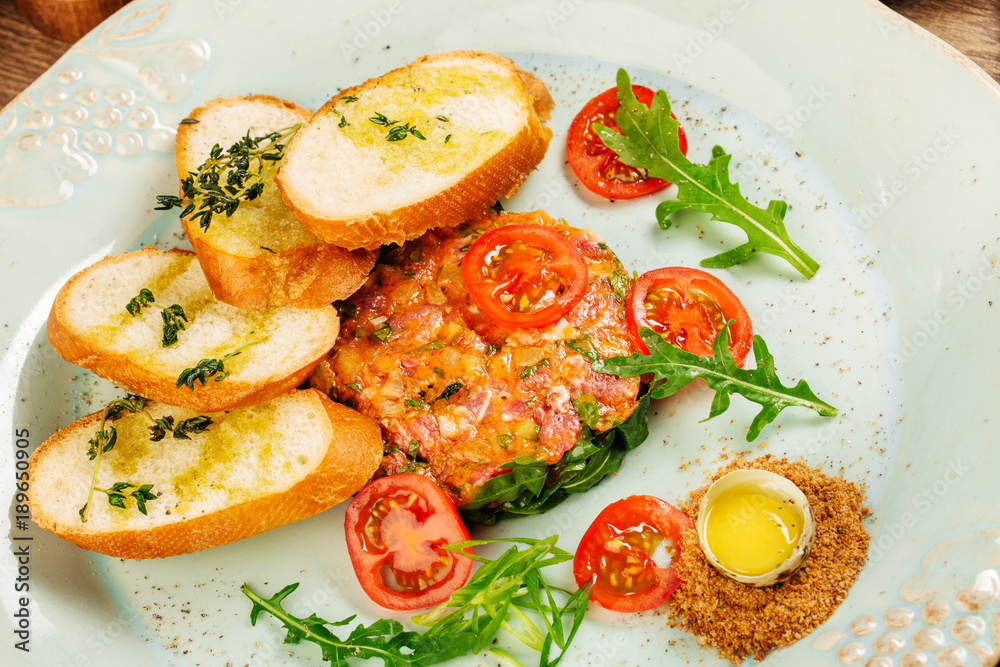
(596, 165)
(524, 276)
(616, 554)
(688, 307)
(395, 528)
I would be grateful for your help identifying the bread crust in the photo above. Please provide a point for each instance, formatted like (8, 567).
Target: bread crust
(124, 370)
(307, 276)
(352, 457)
(471, 196)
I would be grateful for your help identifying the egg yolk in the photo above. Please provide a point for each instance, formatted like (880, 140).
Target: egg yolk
(750, 531)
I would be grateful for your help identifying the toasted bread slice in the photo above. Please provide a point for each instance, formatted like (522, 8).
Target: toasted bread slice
(253, 469)
(261, 256)
(431, 144)
(89, 326)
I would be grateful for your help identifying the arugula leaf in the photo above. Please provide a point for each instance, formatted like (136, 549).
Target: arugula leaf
(586, 406)
(512, 586)
(532, 487)
(650, 142)
(384, 639)
(673, 368)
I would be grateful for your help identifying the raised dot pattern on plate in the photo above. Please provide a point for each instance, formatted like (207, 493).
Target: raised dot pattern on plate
(93, 108)
(943, 620)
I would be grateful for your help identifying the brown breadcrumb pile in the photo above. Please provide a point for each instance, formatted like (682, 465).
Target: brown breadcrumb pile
(741, 620)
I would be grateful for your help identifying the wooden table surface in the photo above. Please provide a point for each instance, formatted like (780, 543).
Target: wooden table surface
(972, 26)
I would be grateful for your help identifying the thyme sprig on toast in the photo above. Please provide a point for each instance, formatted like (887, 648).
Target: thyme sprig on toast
(208, 369)
(229, 177)
(174, 317)
(396, 132)
(106, 437)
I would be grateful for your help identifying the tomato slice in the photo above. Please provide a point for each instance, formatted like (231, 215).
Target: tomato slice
(395, 528)
(616, 554)
(596, 165)
(688, 307)
(524, 276)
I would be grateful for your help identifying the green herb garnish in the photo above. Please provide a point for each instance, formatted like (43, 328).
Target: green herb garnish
(349, 98)
(382, 119)
(117, 495)
(229, 177)
(649, 141)
(346, 310)
(106, 437)
(586, 406)
(620, 283)
(532, 487)
(449, 391)
(400, 132)
(528, 371)
(416, 403)
(433, 345)
(583, 346)
(510, 588)
(181, 430)
(143, 299)
(203, 371)
(355, 387)
(173, 321)
(207, 369)
(673, 368)
(173, 316)
(381, 332)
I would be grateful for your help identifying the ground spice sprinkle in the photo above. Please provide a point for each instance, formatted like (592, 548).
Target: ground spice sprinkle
(741, 620)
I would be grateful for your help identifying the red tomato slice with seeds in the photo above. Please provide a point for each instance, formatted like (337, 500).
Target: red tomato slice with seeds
(395, 527)
(616, 552)
(524, 276)
(596, 165)
(688, 307)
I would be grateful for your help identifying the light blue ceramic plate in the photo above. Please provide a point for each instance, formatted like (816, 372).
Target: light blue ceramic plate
(883, 140)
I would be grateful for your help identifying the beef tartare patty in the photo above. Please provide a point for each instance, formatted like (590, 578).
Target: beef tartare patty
(457, 395)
